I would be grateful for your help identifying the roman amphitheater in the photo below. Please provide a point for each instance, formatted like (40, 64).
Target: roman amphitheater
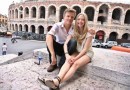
(110, 20)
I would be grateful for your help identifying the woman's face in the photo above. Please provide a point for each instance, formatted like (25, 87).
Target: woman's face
(81, 21)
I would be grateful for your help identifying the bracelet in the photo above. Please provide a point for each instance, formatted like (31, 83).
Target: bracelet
(66, 53)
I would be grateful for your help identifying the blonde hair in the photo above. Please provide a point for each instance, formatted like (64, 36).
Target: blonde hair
(81, 36)
(69, 10)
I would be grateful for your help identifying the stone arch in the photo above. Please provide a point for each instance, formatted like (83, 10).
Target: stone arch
(52, 11)
(41, 29)
(126, 36)
(127, 17)
(10, 26)
(103, 13)
(13, 27)
(20, 12)
(100, 35)
(12, 14)
(16, 27)
(33, 12)
(42, 12)
(116, 15)
(49, 28)
(61, 12)
(33, 29)
(26, 12)
(20, 27)
(90, 13)
(16, 13)
(77, 8)
(113, 36)
(26, 27)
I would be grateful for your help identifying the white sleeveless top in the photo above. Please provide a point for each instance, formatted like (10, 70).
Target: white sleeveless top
(80, 46)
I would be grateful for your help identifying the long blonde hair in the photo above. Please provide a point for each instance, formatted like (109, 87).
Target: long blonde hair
(81, 36)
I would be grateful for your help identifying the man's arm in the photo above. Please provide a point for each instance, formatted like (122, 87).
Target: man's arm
(49, 42)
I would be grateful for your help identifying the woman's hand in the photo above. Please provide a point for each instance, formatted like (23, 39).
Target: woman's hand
(72, 60)
(92, 32)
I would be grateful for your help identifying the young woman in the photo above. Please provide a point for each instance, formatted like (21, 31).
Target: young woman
(82, 55)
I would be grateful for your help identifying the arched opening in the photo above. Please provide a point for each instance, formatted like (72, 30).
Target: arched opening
(42, 12)
(33, 12)
(113, 36)
(26, 12)
(20, 27)
(103, 13)
(78, 10)
(49, 28)
(100, 35)
(62, 9)
(127, 17)
(90, 13)
(41, 29)
(26, 27)
(21, 12)
(125, 36)
(33, 28)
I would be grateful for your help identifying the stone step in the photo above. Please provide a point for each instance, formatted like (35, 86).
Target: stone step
(108, 64)
(23, 76)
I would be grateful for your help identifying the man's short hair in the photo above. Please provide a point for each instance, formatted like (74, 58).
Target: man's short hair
(69, 10)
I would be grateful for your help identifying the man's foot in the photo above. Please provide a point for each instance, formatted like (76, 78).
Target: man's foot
(37, 63)
(51, 68)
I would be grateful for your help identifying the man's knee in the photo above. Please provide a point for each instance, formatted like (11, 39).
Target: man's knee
(61, 61)
(72, 45)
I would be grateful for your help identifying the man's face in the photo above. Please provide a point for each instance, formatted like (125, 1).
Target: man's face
(69, 17)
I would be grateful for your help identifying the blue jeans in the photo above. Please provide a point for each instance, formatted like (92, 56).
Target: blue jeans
(3, 52)
(58, 48)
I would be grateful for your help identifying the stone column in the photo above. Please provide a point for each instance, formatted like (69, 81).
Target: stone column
(57, 15)
(36, 27)
(109, 18)
(95, 17)
(122, 19)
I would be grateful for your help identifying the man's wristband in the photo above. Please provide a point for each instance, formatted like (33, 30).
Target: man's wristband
(66, 53)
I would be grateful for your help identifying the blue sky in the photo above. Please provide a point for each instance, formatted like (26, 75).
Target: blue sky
(4, 4)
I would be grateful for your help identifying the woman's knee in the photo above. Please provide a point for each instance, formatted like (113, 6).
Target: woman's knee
(76, 65)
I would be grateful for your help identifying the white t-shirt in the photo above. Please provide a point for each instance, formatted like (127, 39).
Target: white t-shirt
(4, 48)
(59, 31)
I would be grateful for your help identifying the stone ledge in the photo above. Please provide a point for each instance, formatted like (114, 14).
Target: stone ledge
(23, 76)
(110, 65)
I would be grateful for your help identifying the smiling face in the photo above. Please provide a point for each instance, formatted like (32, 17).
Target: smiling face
(80, 21)
(69, 17)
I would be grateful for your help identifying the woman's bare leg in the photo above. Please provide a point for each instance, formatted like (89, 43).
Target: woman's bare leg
(80, 62)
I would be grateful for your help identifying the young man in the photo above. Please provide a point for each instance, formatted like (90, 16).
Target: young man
(56, 37)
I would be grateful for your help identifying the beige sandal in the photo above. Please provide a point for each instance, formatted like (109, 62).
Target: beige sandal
(51, 84)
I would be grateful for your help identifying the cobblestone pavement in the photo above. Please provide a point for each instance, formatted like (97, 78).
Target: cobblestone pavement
(21, 45)
(23, 75)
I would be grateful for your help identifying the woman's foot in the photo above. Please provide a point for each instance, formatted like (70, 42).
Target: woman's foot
(53, 83)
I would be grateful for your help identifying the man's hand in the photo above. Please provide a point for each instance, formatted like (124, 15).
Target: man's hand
(92, 32)
(53, 58)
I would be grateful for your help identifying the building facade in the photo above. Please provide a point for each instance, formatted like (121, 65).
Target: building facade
(110, 20)
(3, 20)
